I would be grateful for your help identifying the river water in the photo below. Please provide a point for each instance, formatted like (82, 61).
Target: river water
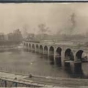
(23, 62)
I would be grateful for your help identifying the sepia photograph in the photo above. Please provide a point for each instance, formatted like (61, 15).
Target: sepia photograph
(44, 45)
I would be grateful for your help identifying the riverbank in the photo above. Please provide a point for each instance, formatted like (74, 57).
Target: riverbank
(60, 82)
(10, 47)
(45, 82)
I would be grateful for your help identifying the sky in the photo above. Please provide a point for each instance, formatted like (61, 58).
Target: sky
(56, 16)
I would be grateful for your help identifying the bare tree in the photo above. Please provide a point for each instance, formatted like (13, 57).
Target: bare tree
(73, 23)
(43, 28)
(25, 30)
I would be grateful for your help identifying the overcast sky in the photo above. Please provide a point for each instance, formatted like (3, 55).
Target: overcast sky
(56, 16)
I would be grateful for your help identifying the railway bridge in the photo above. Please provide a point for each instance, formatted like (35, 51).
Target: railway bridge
(61, 54)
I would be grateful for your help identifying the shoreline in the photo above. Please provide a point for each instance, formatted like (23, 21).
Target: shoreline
(49, 81)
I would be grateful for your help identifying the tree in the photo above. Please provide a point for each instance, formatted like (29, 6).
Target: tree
(43, 30)
(73, 24)
(2, 37)
(17, 35)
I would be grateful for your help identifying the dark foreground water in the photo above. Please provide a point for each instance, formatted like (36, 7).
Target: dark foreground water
(22, 62)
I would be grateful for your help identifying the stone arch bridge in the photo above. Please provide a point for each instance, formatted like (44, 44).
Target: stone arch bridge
(62, 54)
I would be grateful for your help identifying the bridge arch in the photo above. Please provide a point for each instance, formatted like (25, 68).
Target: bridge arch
(79, 69)
(69, 54)
(51, 54)
(29, 46)
(58, 56)
(45, 51)
(24, 43)
(79, 55)
(37, 48)
(25, 46)
(41, 49)
(33, 47)
(51, 50)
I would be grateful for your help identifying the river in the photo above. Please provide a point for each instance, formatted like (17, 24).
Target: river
(25, 63)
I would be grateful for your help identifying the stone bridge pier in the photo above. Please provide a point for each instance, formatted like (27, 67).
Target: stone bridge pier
(67, 56)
